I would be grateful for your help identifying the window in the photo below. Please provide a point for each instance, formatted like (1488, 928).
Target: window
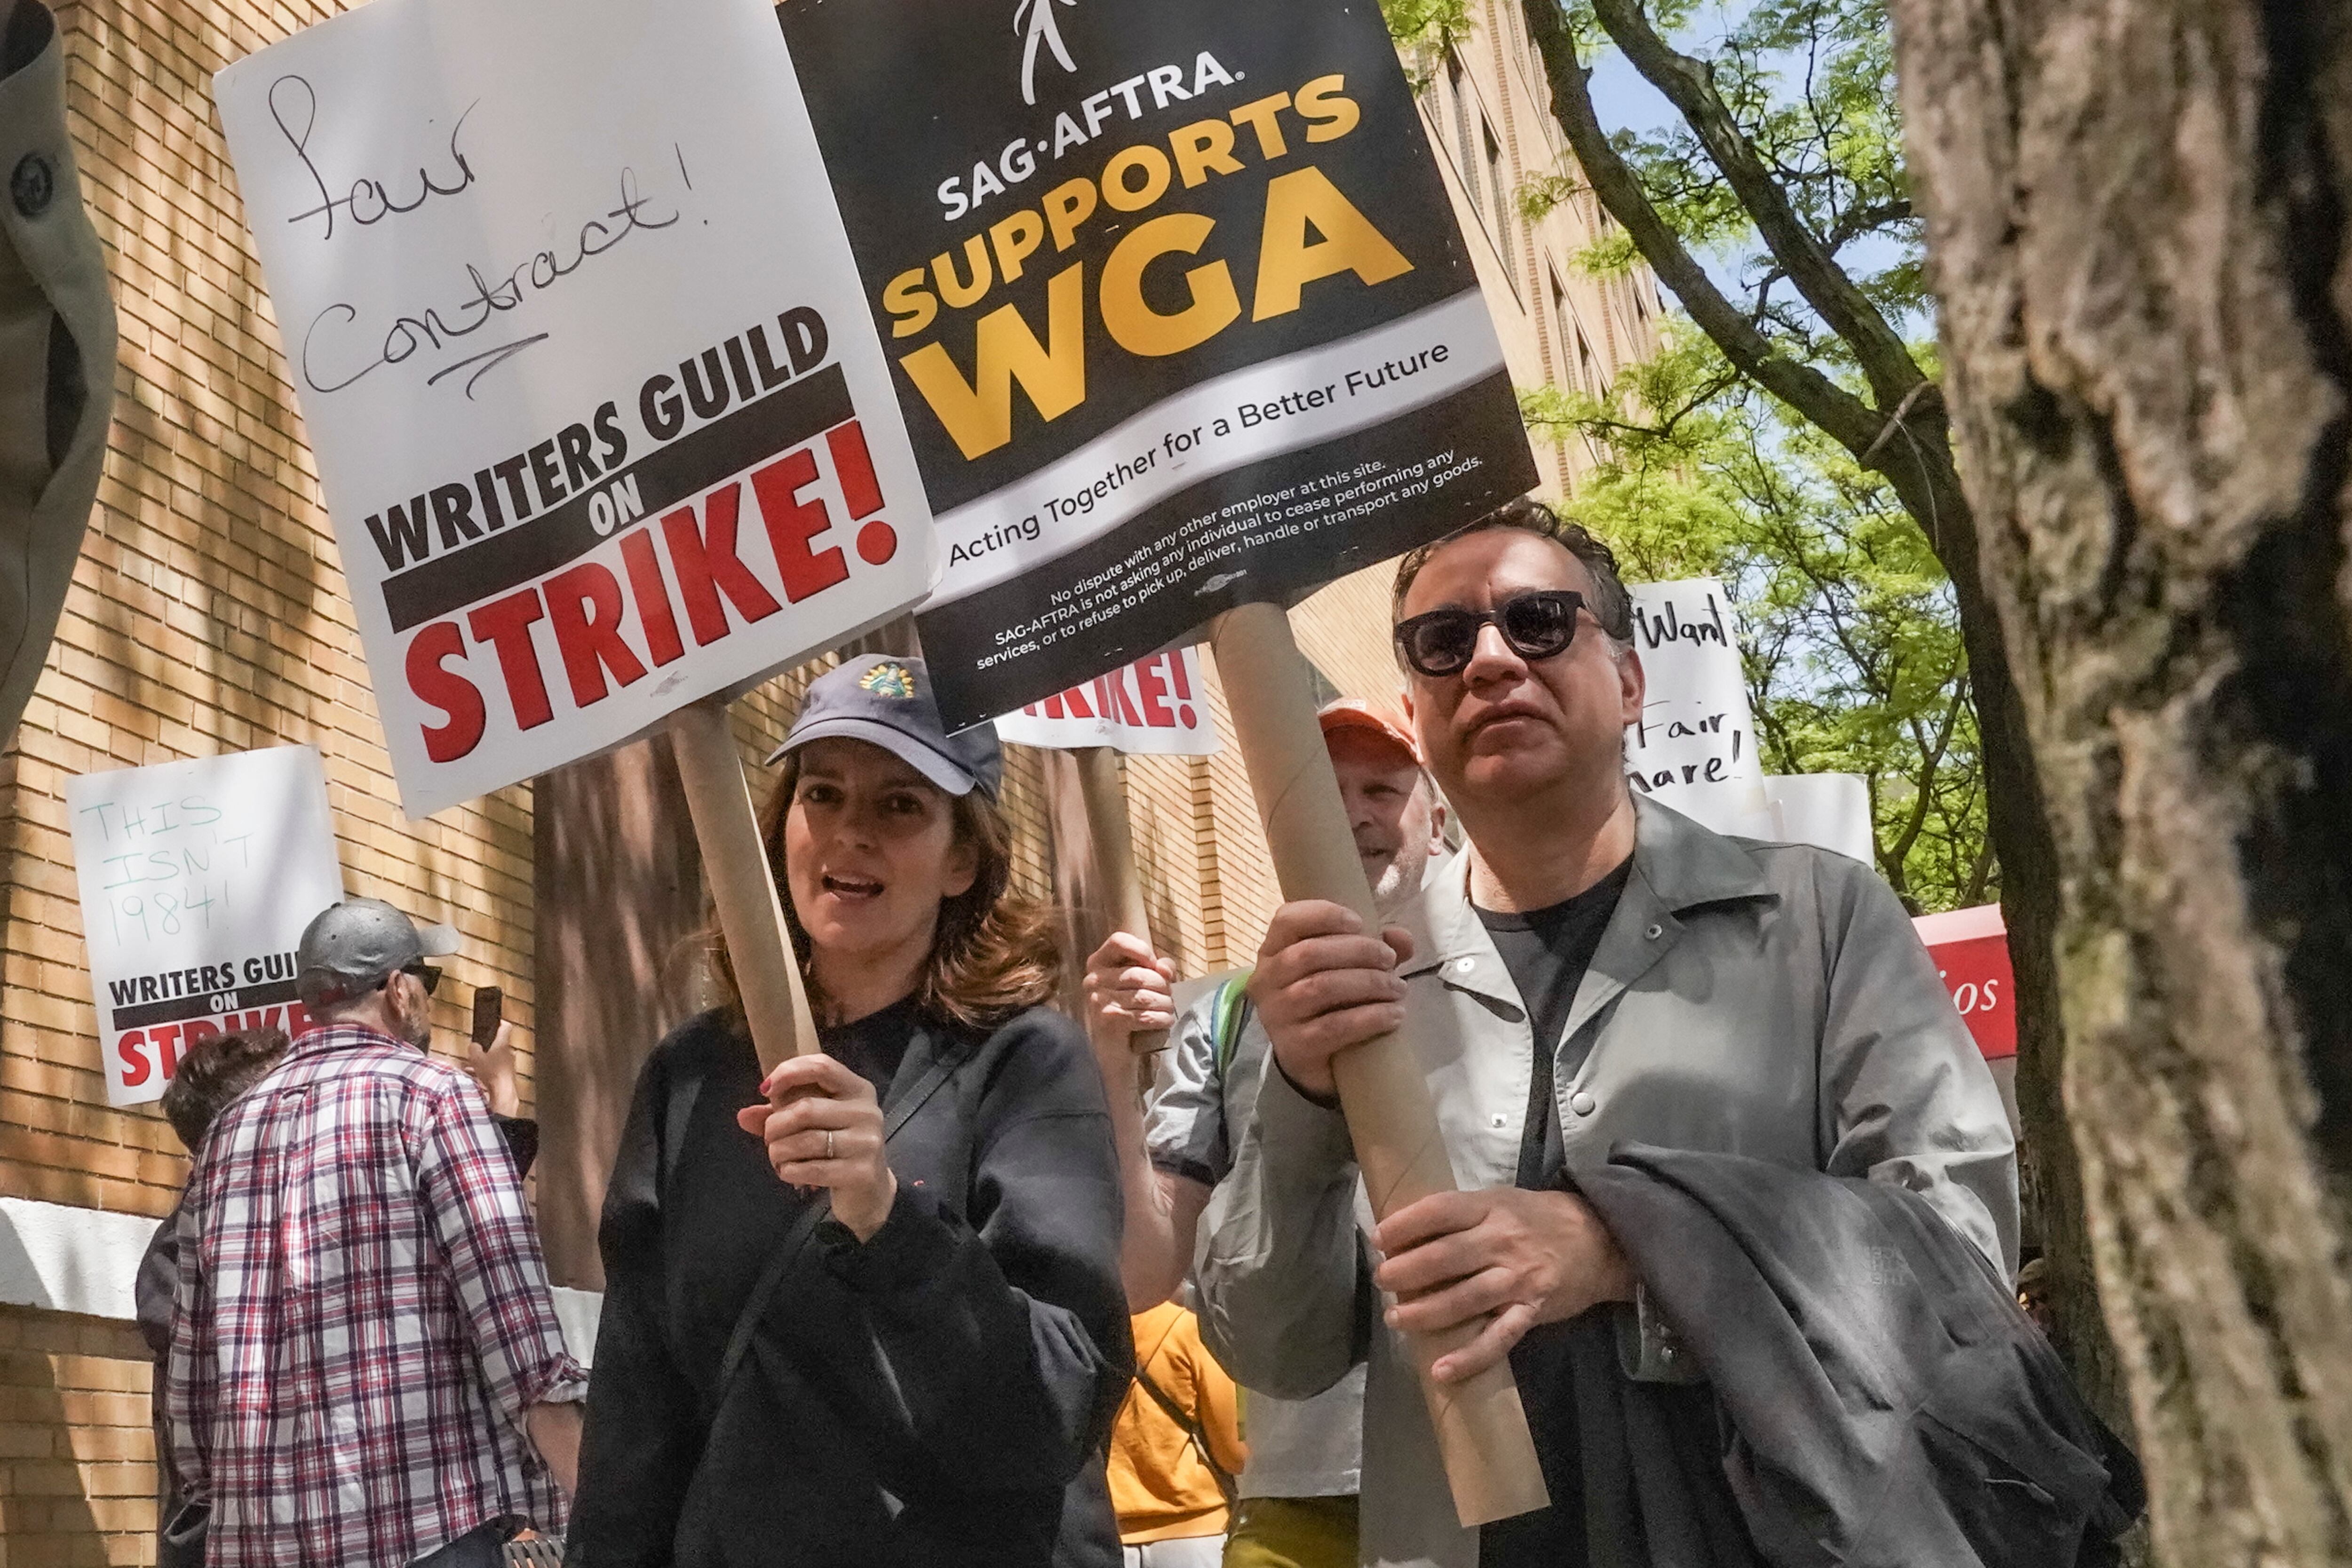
(1584, 372)
(1561, 329)
(1464, 150)
(1501, 189)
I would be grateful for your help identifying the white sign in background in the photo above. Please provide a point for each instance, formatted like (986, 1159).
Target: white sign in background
(600, 415)
(1695, 747)
(1151, 707)
(1831, 810)
(196, 881)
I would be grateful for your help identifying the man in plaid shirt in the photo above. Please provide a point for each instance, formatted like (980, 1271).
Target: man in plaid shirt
(366, 1370)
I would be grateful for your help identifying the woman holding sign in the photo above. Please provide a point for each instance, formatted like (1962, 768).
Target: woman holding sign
(868, 1311)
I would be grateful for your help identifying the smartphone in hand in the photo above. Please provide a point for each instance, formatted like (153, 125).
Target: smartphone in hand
(489, 1004)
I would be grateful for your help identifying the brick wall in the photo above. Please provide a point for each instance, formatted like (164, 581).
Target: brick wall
(77, 1471)
(209, 614)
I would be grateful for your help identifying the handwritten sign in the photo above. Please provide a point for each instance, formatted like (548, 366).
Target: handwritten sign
(196, 881)
(1179, 311)
(1151, 707)
(577, 337)
(1694, 745)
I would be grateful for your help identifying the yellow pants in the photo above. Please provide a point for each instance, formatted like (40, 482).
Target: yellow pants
(1293, 1532)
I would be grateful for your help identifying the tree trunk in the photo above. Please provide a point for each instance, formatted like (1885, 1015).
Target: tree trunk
(2137, 218)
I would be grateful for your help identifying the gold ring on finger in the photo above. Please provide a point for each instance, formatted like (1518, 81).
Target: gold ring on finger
(828, 1145)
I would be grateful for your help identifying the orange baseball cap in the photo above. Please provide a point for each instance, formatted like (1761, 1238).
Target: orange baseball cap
(1355, 714)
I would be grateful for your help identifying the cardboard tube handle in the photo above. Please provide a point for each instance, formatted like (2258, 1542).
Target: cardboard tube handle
(742, 887)
(1482, 1430)
(1113, 832)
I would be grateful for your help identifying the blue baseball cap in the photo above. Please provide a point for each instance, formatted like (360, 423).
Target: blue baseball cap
(886, 699)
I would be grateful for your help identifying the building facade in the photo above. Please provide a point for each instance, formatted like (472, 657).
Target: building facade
(209, 614)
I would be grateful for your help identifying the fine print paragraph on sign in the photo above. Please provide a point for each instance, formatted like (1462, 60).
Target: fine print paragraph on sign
(1190, 555)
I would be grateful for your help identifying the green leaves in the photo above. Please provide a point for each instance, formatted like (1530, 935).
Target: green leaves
(1811, 84)
(1851, 635)
(1776, 201)
(1425, 30)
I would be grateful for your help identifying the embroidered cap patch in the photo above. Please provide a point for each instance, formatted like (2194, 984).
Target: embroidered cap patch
(889, 680)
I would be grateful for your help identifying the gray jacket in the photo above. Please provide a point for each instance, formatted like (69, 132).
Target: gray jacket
(57, 351)
(1207, 1092)
(1768, 1000)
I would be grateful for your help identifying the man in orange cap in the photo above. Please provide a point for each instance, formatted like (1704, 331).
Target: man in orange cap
(1297, 1493)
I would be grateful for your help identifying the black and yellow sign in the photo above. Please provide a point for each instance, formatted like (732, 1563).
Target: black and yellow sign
(1179, 313)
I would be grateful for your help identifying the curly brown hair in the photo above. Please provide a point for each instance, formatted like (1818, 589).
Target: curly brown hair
(995, 952)
(216, 1071)
(1611, 606)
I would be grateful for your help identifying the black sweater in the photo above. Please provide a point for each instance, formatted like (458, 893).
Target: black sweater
(939, 1395)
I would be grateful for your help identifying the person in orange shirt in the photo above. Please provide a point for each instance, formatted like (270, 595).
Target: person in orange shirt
(1176, 1448)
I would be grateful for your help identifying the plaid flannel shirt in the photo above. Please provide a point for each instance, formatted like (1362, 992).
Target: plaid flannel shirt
(362, 1317)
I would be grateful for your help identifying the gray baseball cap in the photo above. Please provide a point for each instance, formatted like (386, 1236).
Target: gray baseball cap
(350, 949)
(887, 700)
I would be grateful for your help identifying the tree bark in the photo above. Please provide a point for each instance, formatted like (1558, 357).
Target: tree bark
(2137, 218)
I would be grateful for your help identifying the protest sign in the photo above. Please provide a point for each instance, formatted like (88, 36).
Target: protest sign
(1695, 744)
(1970, 948)
(196, 881)
(1179, 311)
(582, 355)
(1149, 708)
(1830, 810)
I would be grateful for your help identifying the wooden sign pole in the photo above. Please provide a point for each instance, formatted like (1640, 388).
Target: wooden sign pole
(741, 883)
(1113, 832)
(1490, 1459)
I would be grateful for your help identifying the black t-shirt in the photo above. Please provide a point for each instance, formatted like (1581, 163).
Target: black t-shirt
(875, 1045)
(1547, 952)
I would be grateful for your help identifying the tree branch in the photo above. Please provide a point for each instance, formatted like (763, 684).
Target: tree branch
(1859, 221)
(1689, 85)
(1931, 758)
(1613, 183)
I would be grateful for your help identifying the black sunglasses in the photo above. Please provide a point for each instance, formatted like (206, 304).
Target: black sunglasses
(1536, 625)
(424, 973)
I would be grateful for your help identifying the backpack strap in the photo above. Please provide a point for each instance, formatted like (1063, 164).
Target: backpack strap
(1191, 1427)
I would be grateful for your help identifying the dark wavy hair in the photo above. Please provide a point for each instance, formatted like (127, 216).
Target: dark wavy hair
(214, 1072)
(1611, 606)
(994, 953)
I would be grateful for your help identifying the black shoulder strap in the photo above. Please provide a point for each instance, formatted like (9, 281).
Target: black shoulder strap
(1191, 1428)
(755, 1306)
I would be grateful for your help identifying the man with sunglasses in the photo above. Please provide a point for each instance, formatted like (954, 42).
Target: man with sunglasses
(366, 1367)
(1594, 968)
